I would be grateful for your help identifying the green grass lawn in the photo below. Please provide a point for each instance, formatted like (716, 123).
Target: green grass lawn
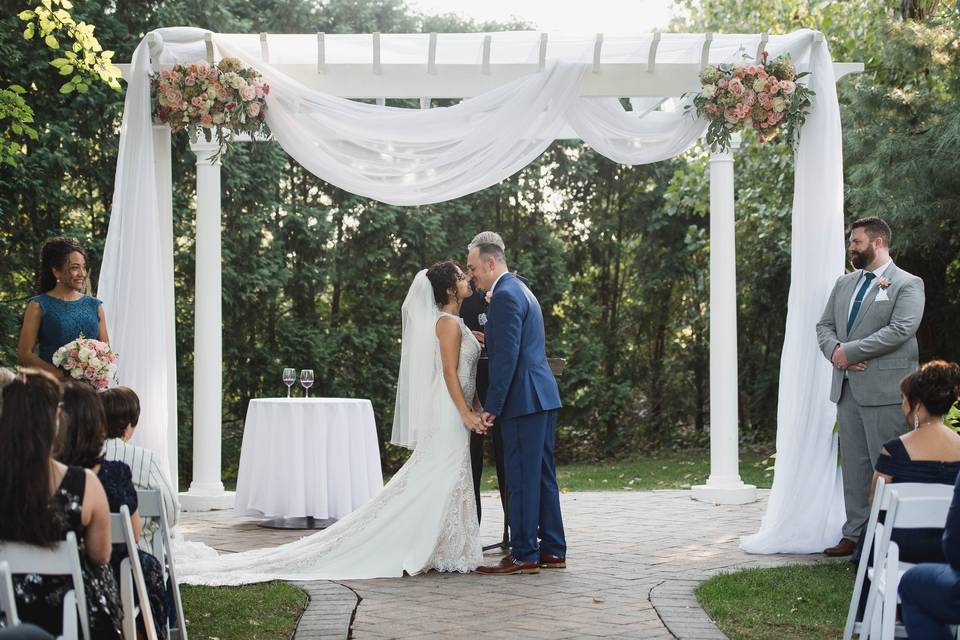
(252, 612)
(665, 470)
(796, 602)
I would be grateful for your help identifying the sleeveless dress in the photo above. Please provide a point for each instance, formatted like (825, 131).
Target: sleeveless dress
(63, 321)
(40, 598)
(424, 518)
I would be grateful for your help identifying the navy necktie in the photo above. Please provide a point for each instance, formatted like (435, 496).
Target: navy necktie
(867, 279)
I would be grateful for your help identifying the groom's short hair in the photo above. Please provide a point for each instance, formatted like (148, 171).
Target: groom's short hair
(488, 250)
(486, 237)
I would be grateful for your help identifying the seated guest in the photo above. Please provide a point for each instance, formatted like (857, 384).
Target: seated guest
(81, 443)
(42, 499)
(61, 311)
(930, 593)
(122, 408)
(928, 454)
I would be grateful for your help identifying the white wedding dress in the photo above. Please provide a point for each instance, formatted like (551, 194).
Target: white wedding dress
(424, 518)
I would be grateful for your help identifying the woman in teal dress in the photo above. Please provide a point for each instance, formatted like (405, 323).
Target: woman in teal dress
(62, 310)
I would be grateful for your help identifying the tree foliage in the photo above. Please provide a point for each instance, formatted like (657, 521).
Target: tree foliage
(313, 276)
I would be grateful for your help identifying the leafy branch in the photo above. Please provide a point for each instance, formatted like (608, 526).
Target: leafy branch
(84, 60)
(20, 115)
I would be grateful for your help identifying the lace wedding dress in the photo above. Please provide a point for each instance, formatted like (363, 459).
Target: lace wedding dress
(425, 517)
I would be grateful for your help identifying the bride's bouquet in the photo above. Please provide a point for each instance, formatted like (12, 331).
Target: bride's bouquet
(88, 360)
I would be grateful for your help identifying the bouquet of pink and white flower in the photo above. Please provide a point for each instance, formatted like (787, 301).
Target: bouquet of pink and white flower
(764, 96)
(225, 99)
(88, 360)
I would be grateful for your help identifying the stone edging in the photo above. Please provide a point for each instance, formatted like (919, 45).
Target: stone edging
(681, 614)
(329, 613)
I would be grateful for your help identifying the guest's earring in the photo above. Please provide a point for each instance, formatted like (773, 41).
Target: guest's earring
(916, 420)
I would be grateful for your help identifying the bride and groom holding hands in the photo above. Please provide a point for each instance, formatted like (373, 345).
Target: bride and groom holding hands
(426, 516)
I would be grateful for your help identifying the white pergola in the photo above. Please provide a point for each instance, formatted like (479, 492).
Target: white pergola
(430, 79)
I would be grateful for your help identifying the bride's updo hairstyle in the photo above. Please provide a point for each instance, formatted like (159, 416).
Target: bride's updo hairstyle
(936, 384)
(443, 277)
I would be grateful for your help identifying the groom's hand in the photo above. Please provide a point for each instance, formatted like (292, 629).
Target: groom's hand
(839, 358)
(487, 418)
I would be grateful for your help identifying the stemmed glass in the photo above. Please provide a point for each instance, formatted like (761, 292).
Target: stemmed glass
(306, 379)
(289, 377)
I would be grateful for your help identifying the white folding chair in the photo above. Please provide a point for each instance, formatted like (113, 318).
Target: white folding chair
(151, 506)
(913, 512)
(63, 559)
(131, 577)
(8, 603)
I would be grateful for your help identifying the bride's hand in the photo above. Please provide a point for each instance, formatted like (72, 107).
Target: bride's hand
(471, 420)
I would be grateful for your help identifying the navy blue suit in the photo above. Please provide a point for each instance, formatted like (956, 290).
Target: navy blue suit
(523, 394)
(930, 592)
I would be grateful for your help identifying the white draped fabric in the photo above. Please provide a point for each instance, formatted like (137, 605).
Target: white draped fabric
(412, 157)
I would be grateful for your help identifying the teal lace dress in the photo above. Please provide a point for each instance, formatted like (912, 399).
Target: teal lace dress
(64, 320)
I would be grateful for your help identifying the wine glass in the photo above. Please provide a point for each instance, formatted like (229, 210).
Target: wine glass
(289, 377)
(306, 379)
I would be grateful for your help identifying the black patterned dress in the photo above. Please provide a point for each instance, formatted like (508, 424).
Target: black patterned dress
(40, 598)
(117, 481)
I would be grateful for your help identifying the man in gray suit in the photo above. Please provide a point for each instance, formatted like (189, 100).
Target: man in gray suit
(868, 332)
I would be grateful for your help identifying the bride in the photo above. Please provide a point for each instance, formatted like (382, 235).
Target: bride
(425, 517)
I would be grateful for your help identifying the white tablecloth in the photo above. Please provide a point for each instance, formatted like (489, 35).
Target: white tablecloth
(301, 457)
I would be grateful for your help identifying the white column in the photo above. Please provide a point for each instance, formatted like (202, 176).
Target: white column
(161, 155)
(206, 489)
(724, 485)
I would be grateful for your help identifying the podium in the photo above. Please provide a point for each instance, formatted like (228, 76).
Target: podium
(557, 365)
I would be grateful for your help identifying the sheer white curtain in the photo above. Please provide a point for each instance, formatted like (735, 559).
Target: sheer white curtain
(411, 157)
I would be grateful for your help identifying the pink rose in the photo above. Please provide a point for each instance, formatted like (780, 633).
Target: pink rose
(266, 89)
(761, 74)
(74, 353)
(206, 121)
(213, 74)
(749, 98)
(253, 109)
(764, 100)
(773, 86)
(89, 374)
(248, 93)
(788, 86)
(723, 83)
(732, 115)
(70, 363)
(738, 71)
(223, 95)
(259, 89)
(736, 87)
(190, 80)
(198, 102)
(165, 75)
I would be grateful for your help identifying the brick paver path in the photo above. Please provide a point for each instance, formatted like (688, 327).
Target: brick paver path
(633, 562)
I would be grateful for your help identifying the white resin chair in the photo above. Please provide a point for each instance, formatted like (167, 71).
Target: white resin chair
(151, 506)
(904, 512)
(61, 560)
(131, 577)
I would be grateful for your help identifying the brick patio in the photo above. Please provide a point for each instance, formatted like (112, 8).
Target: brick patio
(633, 562)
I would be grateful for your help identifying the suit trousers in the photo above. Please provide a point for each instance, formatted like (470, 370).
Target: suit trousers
(930, 594)
(863, 431)
(534, 498)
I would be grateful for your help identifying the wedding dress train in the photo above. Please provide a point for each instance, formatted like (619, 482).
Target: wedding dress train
(425, 517)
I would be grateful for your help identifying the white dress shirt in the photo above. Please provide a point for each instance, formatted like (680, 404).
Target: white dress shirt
(878, 272)
(494, 285)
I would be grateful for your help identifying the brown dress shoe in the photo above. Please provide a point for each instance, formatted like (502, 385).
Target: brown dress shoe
(550, 561)
(509, 566)
(845, 547)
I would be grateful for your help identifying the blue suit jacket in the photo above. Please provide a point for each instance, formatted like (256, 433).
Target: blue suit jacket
(521, 382)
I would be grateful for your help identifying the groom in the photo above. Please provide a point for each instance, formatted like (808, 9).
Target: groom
(523, 395)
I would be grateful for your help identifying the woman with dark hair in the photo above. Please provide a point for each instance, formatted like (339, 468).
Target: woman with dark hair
(928, 454)
(122, 408)
(61, 310)
(81, 443)
(42, 499)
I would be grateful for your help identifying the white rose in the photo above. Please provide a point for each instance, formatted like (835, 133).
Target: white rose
(94, 362)
(709, 90)
(58, 357)
(85, 354)
(76, 373)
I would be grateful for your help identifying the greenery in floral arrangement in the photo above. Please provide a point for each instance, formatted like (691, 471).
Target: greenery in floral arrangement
(952, 418)
(224, 99)
(764, 96)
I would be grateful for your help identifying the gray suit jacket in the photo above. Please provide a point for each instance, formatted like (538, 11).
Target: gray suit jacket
(884, 333)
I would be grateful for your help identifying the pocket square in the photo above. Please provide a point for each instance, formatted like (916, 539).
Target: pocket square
(882, 296)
